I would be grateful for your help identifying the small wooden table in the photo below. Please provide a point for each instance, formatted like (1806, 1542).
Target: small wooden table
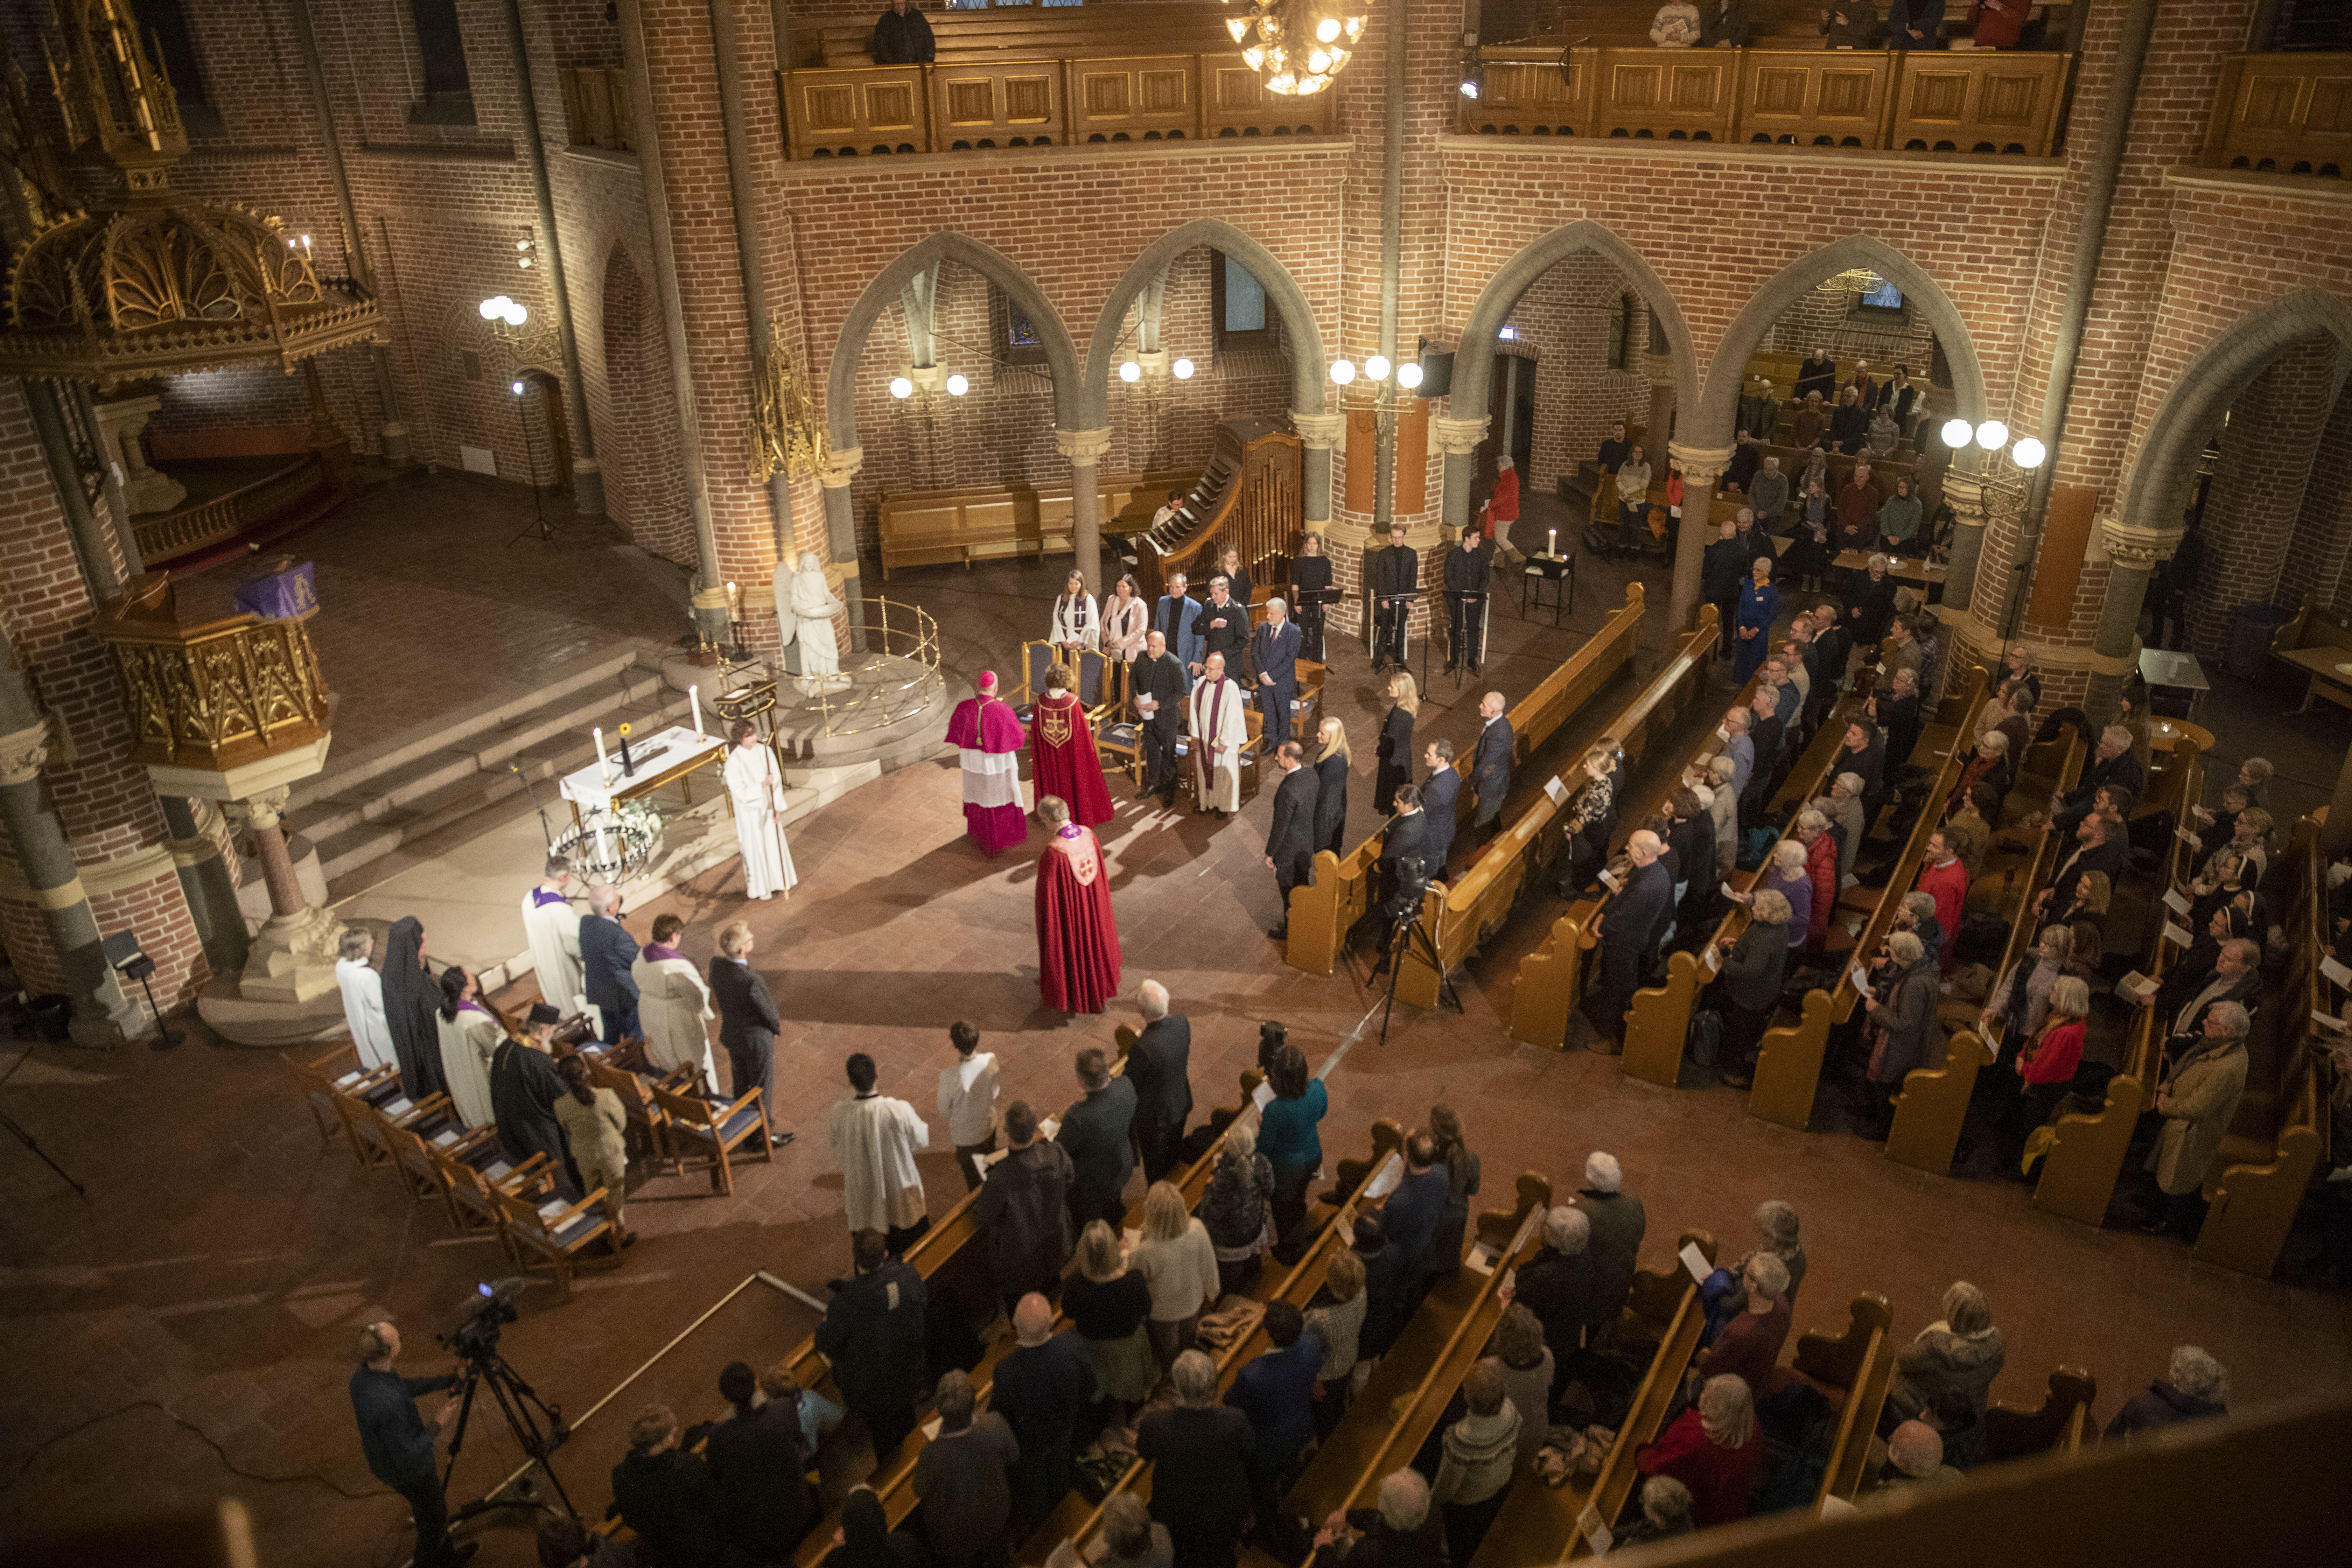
(2164, 734)
(2329, 669)
(1909, 569)
(2167, 671)
(672, 756)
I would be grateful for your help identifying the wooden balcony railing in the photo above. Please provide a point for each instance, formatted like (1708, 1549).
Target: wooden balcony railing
(597, 109)
(2284, 114)
(171, 535)
(853, 111)
(213, 696)
(1942, 101)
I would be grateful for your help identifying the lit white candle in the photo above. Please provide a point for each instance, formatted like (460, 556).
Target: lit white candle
(600, 846)
(1551, 542)
(603, 762)
(694, 696)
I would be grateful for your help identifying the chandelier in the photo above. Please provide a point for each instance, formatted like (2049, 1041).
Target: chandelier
(1296, 47)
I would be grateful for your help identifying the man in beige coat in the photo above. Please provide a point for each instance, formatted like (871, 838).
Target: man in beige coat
(2196, 1099)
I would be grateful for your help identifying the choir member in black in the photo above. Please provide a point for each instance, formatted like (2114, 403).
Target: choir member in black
(524, 1088)
(1396, 752)
(1332, 761)
(1396, 581)
(1405, 866)
(1224, 627)
(1159, 683)
(902, 36)
(1290, 842)
(1310, 589)
(1466, 571)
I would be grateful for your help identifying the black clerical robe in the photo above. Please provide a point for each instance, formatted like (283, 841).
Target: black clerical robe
(524, 1087)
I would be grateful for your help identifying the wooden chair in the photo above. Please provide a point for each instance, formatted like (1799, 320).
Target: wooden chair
(325, 1091)
(557, 1231)
(404, 1142)
(636, 1096)
(364, 1120)
(2012, 1433)
(415, 1151)
(709, 1131)
(471, 1190)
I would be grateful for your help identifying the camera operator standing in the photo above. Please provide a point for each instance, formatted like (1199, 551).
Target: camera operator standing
(399, 1445)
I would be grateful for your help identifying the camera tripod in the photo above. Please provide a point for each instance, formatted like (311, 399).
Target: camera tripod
(522, 1406)
(1410, 935)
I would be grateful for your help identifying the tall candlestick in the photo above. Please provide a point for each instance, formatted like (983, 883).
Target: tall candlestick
(603, 762)
(694, 696)
(600, 846)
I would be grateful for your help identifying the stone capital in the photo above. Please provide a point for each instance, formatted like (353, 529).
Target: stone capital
(1320, 431)
(260, 811)
(1084, 448)
(1700, 465)
(841, 466)
(2135, 547)
(24, 755)
(1459, 437)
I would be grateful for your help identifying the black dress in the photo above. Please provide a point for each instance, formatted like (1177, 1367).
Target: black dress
(1332, 803)
(1310, 579)
(1395, 759)
(411, 999)
(524, 1088)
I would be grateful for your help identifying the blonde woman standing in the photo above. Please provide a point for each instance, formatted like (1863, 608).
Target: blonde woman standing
(1179, 1262)
(1396, 752)
(1331, 764)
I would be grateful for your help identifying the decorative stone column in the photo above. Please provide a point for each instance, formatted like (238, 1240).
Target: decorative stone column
(1701, 467)
(2132, 554)
(1964, 493)
(1657, 435)
(102, 1014)
(841, 466)
(120, 422)
(209, 884)
(1320, 434)
(1085, 449)
(293, 956)
(1459, 440)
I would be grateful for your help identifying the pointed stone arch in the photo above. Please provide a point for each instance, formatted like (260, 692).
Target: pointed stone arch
(1289, 300)
(1716, 415)
(2157, 494)
(1061, 354)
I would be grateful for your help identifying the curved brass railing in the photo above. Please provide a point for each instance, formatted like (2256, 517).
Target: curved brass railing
(865, 705)
(172, 534)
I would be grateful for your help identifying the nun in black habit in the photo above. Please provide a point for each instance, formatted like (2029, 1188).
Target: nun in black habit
(412, 998)
(524, 1088)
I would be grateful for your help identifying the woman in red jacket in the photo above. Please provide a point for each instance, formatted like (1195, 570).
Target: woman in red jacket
(1713, 1448)
(2044, 1070)
(1820, 865)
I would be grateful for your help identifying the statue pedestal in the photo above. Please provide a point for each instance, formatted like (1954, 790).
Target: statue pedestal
(120, 422)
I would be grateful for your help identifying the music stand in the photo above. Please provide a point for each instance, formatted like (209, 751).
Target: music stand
(124, 955)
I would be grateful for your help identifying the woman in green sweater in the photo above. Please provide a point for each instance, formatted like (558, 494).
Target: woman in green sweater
(1898, 519)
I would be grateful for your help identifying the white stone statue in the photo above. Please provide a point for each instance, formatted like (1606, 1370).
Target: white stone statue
(787, 622)
(814, 605)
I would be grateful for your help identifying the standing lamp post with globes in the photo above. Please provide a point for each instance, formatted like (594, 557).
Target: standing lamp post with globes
(1997, 486)
(1386, 379)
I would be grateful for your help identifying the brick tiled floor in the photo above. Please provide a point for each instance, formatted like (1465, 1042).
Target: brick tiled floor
(223, 1256)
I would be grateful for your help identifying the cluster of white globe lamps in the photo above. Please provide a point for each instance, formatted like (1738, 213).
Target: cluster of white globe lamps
(1130, 372)
(1991, 437)
(1377, 368)
(502, 309)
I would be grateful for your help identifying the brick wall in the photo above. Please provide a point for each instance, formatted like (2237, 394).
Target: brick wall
(1564, 321)
(100, 793)
(2252, 510)
(2316, 566)
(1832, 317)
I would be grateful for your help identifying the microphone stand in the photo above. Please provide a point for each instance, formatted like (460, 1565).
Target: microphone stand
(545, 832)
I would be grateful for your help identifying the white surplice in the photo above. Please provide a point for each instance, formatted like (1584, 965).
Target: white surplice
(465, 1047)
(1216, 725)
(553, 930)
(363, 1011)
(875, 1139)
(757, 786)
(674, 1013)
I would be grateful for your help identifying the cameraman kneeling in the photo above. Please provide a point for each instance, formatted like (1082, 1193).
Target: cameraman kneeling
(399, 1446)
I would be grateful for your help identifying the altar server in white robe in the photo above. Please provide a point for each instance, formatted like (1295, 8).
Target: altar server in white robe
(876, 1136)
(1214, 712)
(364, 1000)
(672, 1004)
(757, 786)
(469, 1034)
(552, 926)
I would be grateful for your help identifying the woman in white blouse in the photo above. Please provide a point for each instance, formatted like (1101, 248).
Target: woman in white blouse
(1126, 621)
(1076, 623)
(1177, 1260)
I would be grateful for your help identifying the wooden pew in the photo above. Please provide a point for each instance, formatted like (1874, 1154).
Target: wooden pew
(925, 528)
(1323, 914)
(1462, 916)
(2258, 1182)
(894, 1481)
(1657, 1019)
(1861, 1362)
(1542, 1524)
(1074, 1519)
(1934, 1101)
(1425, 1366)
(2013, 1432)
(2083, 1164)
(1551, 978)
(1789, 1066)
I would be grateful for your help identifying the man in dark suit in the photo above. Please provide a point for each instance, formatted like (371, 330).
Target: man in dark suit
(1466, 576)
(1490, 765)
(606, 951)
(1274, 653)
(1629, 928)
(1290, 842)
(1199, 1453)
(2112, 763)
(1224, 628)
(1178, 618)
(1409, 1219)
(1723, 567)
(1159, 1065)
(1395, 574)
(2100, 846)
(1160, 686)
(872, 1335)
(1439, 793)
(748, 1022)
(1405, 866)
(1098, 1134)
(2237, 977)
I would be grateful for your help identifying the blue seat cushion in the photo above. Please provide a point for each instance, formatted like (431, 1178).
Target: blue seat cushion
(737, 1125)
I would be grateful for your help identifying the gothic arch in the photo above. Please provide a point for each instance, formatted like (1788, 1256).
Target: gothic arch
(1061, 355)
(1307, 368)
(1517, 276)
(2158, 491)
(1716, 418)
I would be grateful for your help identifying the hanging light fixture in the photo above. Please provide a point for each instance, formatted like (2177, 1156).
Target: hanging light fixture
(1130, 372)
(1296, 47)
(1183, 369)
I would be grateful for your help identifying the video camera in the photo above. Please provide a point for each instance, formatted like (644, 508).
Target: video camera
(476, 1336)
